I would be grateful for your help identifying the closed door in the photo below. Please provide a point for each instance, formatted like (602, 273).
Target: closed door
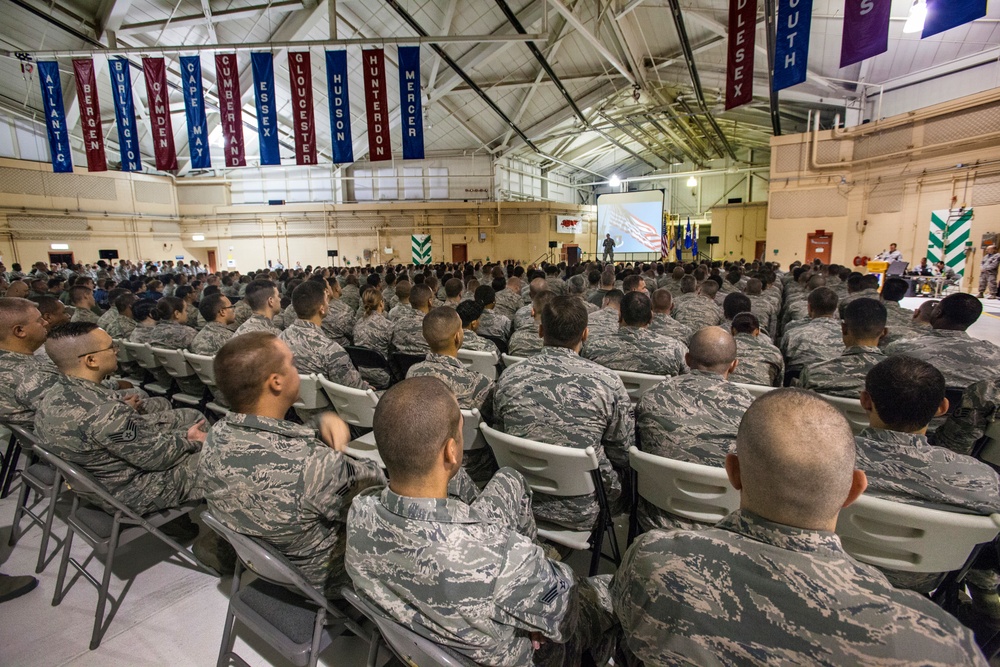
(818, 247)
(211, 261)
(759, 248)
(459, 252)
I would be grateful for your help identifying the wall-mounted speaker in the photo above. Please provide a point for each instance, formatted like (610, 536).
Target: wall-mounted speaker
(553, 244)
(107, 254)
(712, 240)
(331, 253)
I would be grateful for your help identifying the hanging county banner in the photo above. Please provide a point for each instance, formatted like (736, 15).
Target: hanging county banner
(303, 122)
(90, 114)
(791, 51)
(376, 104)
(158, 98)
(194, 110)
(267, 116)
(739, 65)
(230, 108)
(866, 30)
(947, 14)
(410, 115)
(340, 106)
(128, 137)
(55, 117)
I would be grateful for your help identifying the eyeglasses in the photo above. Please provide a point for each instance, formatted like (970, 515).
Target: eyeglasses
(114, 346)
(226, 308)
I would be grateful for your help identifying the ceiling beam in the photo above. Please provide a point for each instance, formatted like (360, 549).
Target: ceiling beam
(449, 17)
(217, 16)
(561, 7)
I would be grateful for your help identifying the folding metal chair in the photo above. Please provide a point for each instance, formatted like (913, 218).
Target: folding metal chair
(364, 357)
(124, 357)
(279, 605)
(406, 645)
(484, 363)
(105, 532)
(401, 362)
(637, 384)
(560, 471)
(8, 467)
(47, 484)
(365, 447)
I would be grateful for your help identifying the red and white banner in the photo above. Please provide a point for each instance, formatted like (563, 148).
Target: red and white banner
(230, 108)
(303, 120)
(158, 106)
(739, 62)
(90, 114)
(376, 104)
(569, 224)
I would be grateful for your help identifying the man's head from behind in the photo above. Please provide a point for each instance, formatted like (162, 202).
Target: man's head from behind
(734, 304)
(256, 370)
(663, 301)
(310, 300)
(903, 394)
(22, 327)
(864, 322)
(779, 472)
(894, 289)
(564, 322)
(420, 297)
(81, 296)
(217, 308)
(53, 311)
(712, 349)
(418, 427)
(636, 310)
(822, 302)
(469, 312)
(442, 329)
(956, 312)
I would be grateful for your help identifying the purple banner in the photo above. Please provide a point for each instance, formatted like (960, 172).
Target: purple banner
(866, 30)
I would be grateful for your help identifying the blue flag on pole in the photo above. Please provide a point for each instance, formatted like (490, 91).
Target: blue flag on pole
(677, 241)
(410, 115)
(128, 137)
(55, 117)
(694, 247)
(687, 234)
(262, 64)
(947, 14)
(340, 107)
(194, 109)
(791, 50)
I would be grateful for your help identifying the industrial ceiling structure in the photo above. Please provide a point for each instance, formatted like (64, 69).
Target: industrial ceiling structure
(585, 88)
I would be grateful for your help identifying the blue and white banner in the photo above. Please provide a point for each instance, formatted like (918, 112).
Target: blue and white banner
(267, 114)
(55, 117)
(791, 52)
(947, 14)
(194, 109)
(128, 133)
(340, 106)
(410, 116)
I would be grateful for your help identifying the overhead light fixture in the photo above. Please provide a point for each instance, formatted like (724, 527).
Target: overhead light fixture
(198, 237)
(60, 246)
(614, 181)
(692, 182)
(915, 20)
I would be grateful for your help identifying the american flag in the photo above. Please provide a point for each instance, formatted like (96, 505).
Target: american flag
(641, 231)
(664, 243)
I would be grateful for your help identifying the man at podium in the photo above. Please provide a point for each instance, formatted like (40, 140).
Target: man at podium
(890, 256)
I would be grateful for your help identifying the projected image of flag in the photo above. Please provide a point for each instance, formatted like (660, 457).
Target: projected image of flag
(640, 230)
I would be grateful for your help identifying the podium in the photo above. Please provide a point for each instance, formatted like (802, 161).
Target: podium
(879, 268)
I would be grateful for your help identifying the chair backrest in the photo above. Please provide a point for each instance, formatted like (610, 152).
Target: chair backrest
(500, 342)
(851, 407)
(264, 560)
(911, 538)
(365, 357)
(173, 362)
(203, 365)
(471, 435)
(689, 490)
(403, 361)
(27, 439)
(355, 406)
(142, 354)
(123, 352)
(551, 469)
(954, 396)
(990, 451)
(411, 648)
(637, 384)
(481, 362)
(311, 395)
(82, 482)
(755, 390)
(509, 360)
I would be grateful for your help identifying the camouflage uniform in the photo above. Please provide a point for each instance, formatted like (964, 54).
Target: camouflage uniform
(604, 322)
(559, 398)
(257, 322)
(816, 340)
(400, 310)
(389, 297)
(275, 480)
(408, 334)
(914, 329)
(109, 316)
(692, 418)
(351, 296)
(285, 317)
(666, 325)
(14, 369)
(969, 420)
(473, 391)
(596, 297)
(854, 296)
(691, 597)
(638, 350)
(760, 362)
(210, 339)
(843, 376)
(145, 461)
(492, 323)
(963, 360)
(339, 322)
(524, 319)
(120, 327)
(508, 303)
(470, 577)
(525, 343)
(192, 316)
(698, 312)
(765, 310)
(375, 333)
(905, 468)
(173, 336)
(473, 341)
(242, 311)
(897, 316)
(84, 315)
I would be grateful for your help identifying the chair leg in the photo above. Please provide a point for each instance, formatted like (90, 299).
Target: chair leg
(102, 593)
(317, 636)
(22, 502)
(373, 649)
(9, 467)
(63, 564)
(597, 542)
(228, 638)
(615, 552)
(50, 514)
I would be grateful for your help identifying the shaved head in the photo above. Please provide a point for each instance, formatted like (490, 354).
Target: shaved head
(796, 458)
(711, 349)
(15, 312)
(440, 326)
(663, 300)
(66, 344)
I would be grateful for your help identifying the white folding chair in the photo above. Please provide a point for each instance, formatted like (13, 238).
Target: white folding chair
(204, 368)
(311, 395)
(355, 406)
(484, 363)
(176, 365)
(689, 490)
(851, 407)
(143, 355)
(559, 471)
(755, 390)
(365, 447)
(637, 384)
(125, 357)
(509, 360)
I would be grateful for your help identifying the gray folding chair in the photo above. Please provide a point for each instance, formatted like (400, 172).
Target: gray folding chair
(484, 363)
(408, 646)
(279, 605)
(143, 355)
(311, 395)
(204, 368)
(105, 532)
(355, 406)
(46, 482)
(177, 367)
(637, 384)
